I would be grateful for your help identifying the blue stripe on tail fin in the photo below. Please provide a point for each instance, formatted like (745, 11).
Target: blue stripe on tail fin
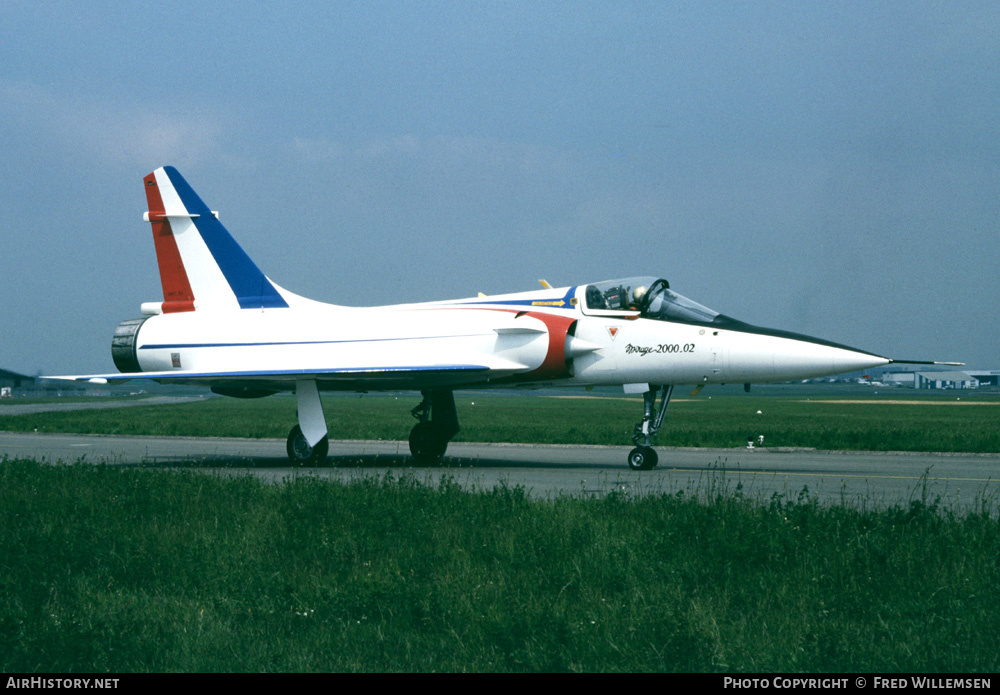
(252, 289)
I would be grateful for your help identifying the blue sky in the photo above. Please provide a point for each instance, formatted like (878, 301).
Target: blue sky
(825, 168)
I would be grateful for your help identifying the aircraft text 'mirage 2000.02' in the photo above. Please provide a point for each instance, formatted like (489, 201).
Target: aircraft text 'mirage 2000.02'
(225, 325)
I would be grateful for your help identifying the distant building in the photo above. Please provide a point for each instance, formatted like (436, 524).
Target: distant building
(12, 382)
(966, 379)
(985, 377)
(908, 379)
(945, 380)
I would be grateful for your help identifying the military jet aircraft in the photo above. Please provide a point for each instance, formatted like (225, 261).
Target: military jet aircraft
(225, 325)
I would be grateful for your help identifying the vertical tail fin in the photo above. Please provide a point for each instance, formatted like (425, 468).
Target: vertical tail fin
(201, 265)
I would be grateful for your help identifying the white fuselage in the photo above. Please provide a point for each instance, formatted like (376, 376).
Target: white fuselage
(528, 338)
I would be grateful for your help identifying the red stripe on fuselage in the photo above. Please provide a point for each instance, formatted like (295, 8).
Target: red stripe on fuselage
(177, 294)
(554, 365)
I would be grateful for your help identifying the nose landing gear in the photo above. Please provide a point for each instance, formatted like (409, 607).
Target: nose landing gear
(643, 457)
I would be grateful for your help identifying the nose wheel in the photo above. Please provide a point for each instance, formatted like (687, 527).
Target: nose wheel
(643, 457)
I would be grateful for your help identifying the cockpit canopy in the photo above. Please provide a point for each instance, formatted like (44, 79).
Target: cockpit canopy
(651, 297)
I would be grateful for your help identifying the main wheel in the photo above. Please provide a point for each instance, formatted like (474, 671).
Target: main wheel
(301, 454)
(642, 458)
(427, 443)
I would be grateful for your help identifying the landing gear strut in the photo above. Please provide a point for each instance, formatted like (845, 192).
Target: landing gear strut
(643, 457)
(308, 443)
(438, 423)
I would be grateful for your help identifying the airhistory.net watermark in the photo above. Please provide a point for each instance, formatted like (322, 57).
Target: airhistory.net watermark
(62, 683)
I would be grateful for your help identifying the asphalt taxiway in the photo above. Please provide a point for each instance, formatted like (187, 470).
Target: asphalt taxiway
(860, 479)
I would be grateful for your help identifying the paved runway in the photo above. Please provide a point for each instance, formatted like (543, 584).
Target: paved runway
(52, 405)
(861, 479)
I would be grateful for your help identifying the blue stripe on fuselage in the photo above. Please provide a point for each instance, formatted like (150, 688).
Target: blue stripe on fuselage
(178, 346)
(252, 289)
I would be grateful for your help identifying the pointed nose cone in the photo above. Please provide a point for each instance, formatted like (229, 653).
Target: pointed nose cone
(805, 359)
(763, 354)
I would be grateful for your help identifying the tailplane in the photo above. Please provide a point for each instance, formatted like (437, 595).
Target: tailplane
(201, 265)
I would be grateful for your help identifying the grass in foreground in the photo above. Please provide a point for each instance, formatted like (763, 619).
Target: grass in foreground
(112, 569)
(932, 424)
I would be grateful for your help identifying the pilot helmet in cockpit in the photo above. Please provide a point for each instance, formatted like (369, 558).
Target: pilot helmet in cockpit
(638, 294)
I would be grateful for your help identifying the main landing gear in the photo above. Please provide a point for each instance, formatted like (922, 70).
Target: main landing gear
(308, 443)
(437, 425)
(643, 457)
(301, 453)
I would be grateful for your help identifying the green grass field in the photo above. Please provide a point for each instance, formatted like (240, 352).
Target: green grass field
(128, 570)
(897, 423)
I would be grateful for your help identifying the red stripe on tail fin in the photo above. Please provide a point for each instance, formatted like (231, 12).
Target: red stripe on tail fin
(176, 287)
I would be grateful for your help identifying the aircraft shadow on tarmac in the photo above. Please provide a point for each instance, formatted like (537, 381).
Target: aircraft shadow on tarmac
(360, 461)
(383, 460)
